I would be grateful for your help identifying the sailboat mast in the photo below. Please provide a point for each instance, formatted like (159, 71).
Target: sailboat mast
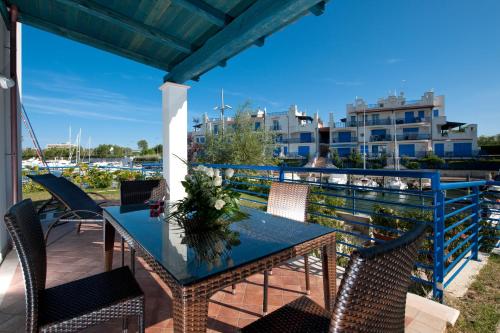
(364, 137)
(396, 151)
(222, 109)
(90, 138)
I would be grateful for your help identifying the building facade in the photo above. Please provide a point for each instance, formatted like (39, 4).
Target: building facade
(401, 127)
(296, 133)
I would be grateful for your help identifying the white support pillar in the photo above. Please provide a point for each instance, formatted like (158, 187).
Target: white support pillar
(175, 126)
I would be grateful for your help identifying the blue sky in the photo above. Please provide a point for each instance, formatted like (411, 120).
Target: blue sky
(357, 48)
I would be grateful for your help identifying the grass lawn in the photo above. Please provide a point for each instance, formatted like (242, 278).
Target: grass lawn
(480, 306)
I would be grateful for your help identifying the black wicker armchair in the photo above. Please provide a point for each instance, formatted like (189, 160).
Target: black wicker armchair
(134, 192)
(139, 191)
(371, 297)
(72, 306)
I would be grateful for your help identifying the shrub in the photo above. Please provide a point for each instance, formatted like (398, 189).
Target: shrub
(122, 175)
(98, 178)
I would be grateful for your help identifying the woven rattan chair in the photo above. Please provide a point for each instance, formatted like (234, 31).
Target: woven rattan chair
(134, 192)
(371, 297)
(139, 191)
(75, 305)
(79, 206)
(287, 200)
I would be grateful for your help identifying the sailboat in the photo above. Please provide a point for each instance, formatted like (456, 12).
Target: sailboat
(365, 183)
(396, 183)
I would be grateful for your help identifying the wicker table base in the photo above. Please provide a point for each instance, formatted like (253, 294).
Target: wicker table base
(191, 302)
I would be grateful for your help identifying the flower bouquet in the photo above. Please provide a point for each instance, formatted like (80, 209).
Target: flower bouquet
(209, 203)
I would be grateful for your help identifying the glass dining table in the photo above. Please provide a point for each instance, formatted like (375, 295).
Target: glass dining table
(197, 265)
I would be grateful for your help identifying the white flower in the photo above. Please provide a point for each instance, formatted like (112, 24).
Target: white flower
(229, 173)
(219, 203)
(217, 172)
(218, 181)
(209, 172)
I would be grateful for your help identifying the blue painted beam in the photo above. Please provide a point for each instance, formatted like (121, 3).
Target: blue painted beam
(261, 19)
(201, 8)
(319, 9)
(82, 38)
(106, 14)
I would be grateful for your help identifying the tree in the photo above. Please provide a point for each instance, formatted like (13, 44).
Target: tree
(484, 140)
(241, 143)
(29, 153)
(143, 146)
(336, 160)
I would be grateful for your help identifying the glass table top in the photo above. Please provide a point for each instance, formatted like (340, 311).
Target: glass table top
(193, 257)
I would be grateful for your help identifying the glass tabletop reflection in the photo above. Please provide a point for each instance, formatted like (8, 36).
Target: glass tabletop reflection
(192, 257)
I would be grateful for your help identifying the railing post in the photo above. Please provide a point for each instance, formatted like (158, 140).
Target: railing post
(438, 264)
(282, 174)
(476, 219)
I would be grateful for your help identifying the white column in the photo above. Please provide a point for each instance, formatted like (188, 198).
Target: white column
(175, 126)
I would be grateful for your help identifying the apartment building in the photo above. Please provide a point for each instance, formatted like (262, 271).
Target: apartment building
(296, 133)
(395, 125)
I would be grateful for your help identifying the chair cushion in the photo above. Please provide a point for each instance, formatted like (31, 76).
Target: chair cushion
(86, 295)
(300, 316)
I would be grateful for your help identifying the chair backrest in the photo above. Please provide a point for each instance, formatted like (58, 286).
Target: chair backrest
(288, 200)
(139, 191)
(69, 194)
(372, 294)
(27, 235)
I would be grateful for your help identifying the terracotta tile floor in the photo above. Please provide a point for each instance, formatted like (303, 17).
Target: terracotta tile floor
(72, 256)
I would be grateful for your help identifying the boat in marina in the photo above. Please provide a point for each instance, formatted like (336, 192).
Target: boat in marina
(396, 184)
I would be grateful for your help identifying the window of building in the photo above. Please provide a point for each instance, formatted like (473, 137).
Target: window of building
(276, 125)
(216, 129)
(421, 115)
(436, 113)
(257, 125)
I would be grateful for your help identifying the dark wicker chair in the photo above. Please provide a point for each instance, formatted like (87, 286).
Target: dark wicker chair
(79, 206)
(75, 305)
(371, 297)
(134, 192)
(139, 191)
(287, 200)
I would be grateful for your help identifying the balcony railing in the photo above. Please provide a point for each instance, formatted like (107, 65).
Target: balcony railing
(275, 128)
(461, 216)
(412, 120)
(344, 140)
(375, 138)
(341, 124)
(297, 140)
(375, 122)
(413, 136)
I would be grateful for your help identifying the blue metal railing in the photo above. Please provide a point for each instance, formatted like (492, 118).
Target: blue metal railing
(464, 216)
(364, 215)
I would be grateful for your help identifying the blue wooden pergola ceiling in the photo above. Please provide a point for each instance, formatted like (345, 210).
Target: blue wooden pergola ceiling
(186, 38)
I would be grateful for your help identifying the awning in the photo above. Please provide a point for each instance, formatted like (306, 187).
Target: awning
(186, 38)
(450, 124)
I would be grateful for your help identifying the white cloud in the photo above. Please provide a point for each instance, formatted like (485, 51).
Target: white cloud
(55, 94)
(392, 61)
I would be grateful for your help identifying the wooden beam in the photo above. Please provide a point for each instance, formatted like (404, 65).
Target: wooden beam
(206, 11)
(261, 19)
(123, 21)
(82, 38)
